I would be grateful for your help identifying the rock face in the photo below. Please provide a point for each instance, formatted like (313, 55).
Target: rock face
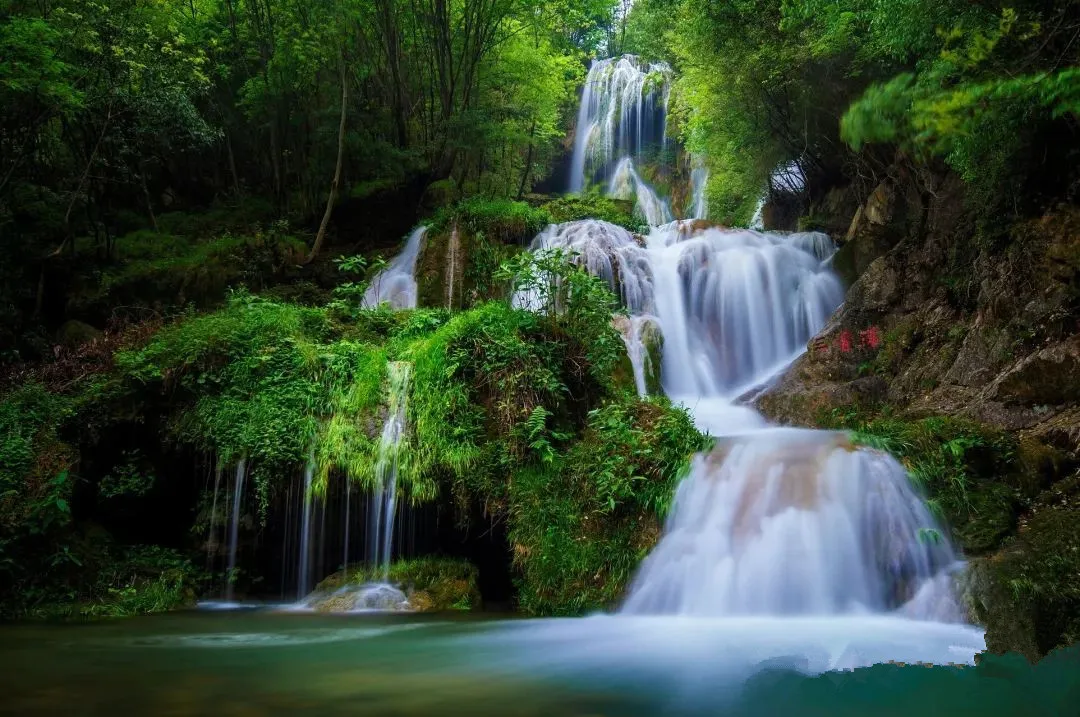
(942, 322)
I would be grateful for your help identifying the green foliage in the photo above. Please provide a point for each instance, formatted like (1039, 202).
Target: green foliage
(35, 481)
(129, 478)
(581, 524)
(573, 301)
(960, 465)
(762, 83)
(590, 206)
(496, 219)
(122, 582)
(968, 104)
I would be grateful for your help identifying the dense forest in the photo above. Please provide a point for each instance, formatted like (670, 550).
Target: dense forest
(197, 195)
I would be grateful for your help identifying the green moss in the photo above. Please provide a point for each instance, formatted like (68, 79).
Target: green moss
(497, 219)
(431, 584)
(581, 525)
(1035, 580)
(477, 261)
(164, 270)
(969, 472)
(592, 206)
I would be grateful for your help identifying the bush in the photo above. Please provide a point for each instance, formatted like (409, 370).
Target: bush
(581, 525)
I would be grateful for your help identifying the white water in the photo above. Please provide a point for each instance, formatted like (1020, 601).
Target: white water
(774, 523)
(234, 526)
(382, 507)
(303, 570)
(734, 306)
(699, 180)
(619, 115)
(626, 184)
(396, 284)
(381, 516)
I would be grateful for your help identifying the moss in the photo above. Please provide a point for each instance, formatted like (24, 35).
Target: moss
(167, 271)
(970, 472)
(500, 220)
(581, 525)
(431, 584)
(1035, 581)
(477, 261)
(590, 206)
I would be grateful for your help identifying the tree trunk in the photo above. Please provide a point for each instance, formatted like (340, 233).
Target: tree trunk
(528, 162)
(321, 236)
(146, 193)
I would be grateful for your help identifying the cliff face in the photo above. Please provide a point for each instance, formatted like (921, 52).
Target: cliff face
(949, 322)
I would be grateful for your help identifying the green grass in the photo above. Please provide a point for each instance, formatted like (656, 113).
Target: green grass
(497, 219)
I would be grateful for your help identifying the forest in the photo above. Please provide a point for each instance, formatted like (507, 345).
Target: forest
(204, 204)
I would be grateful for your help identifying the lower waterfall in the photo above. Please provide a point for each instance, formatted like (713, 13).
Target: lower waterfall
(773, 521)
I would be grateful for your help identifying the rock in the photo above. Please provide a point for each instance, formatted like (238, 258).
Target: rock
(73, 333)
(856, 222)
(881, 204)
(1049, 376)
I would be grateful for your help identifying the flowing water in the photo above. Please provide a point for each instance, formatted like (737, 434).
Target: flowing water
(773, 522)
(396, 284)
(382, 510)
(623, 111)
(272, 663)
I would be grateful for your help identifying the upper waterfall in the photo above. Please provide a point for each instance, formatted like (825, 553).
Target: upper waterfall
(623, 111)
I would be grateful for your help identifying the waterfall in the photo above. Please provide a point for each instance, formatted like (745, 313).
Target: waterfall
(626, 184)
(699, 180)
(623, 116)
(303, 570)
(793, 522)
(381, 515)
(396, 284)
(234, 526)
(773, 521)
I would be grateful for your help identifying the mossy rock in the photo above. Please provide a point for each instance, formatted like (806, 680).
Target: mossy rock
(430, 584)
(73, 334)
(476, 260)
(575, 207)
(1028, 595)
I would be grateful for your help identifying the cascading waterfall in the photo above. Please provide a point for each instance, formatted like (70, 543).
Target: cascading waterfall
(619, 115)
(773, 521)
(303, 570)
(382, 508)
(396, 284)
(626, 184)
(622, 118)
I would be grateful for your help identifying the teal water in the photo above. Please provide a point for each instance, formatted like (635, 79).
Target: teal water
(275, 663)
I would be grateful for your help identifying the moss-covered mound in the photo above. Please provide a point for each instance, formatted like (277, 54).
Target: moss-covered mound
(571, 208)
(517, 417)
(430, 584)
